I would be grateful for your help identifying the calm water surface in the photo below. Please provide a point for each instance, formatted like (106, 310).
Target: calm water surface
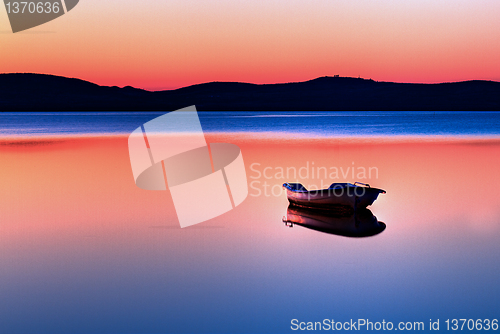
(82, 249)
(336, 124)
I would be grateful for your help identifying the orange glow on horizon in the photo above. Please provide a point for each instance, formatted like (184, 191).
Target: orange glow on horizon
(166, 45)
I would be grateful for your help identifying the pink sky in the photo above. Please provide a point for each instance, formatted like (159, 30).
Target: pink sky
(168, 44)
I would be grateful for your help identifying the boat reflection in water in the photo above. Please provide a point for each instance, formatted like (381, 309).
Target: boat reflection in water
(356, 224)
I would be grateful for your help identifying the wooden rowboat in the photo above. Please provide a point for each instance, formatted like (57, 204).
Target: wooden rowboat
(357, 195)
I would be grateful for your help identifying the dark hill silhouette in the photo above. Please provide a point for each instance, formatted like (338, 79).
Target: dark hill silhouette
(38, 92)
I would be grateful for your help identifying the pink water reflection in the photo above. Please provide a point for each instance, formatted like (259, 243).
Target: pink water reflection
(73, 217)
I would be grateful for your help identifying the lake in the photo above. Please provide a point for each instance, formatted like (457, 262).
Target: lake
(83, 249)
(317, 124)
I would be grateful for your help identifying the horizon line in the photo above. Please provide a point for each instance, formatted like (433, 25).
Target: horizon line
(335, 76)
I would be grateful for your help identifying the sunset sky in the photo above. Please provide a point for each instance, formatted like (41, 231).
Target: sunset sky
(159, 44)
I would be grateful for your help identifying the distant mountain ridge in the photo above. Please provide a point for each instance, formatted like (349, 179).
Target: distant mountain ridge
(40, 92)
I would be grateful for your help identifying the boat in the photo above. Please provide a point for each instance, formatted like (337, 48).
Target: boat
(338, 195)
(362, 223)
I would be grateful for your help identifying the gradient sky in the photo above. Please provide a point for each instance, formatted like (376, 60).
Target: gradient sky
(158, 44)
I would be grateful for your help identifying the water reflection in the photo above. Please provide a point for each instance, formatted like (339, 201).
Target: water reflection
(356, 224)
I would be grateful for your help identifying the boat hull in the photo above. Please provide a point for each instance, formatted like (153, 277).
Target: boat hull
(342, 196)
